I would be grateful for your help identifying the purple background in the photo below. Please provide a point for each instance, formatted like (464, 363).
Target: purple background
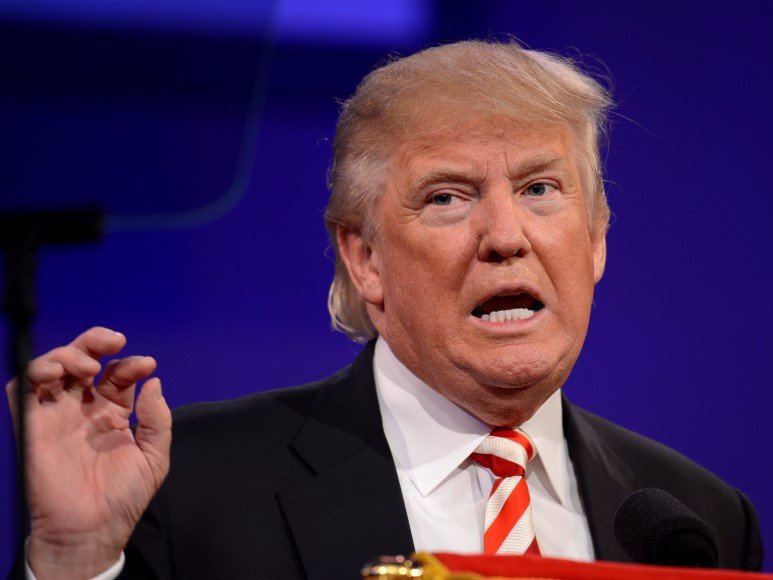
(155, 106)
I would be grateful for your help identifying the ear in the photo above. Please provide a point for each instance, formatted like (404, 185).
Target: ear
(599, 242)
(362, 264)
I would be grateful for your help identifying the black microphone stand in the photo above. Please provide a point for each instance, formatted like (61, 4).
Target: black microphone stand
(22, 234)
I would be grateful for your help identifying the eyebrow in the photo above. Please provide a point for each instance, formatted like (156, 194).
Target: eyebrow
(537, 164)
(445, 175)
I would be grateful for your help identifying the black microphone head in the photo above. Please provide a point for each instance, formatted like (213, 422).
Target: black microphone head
(653, 527)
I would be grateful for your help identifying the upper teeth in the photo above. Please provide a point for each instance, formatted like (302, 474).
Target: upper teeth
(512, 314)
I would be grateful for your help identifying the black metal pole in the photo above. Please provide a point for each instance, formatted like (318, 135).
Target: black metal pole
(19, 307)
(21, 236)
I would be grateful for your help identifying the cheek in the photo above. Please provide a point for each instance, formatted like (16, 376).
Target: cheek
(423, 278)
(436, 258)
(569, 265)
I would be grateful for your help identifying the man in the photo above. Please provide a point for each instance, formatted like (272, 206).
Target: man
(468, 217)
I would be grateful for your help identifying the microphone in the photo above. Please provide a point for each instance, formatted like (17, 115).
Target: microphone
(653, 527)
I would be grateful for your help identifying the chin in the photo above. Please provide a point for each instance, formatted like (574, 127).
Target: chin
(512, 410)
(511, 390)
(520, 368)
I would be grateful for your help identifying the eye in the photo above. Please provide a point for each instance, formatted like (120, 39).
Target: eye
(539, 189)
(442, 199)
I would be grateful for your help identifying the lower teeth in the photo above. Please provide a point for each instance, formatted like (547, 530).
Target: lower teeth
(512, 314)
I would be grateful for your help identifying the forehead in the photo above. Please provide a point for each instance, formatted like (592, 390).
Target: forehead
(473, 143)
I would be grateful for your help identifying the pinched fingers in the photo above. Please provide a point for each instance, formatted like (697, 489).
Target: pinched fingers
(44, 379)
(44, 370)
(99, 341)
(57, 364)
(71, 366)
(120, 378)
(62, 366)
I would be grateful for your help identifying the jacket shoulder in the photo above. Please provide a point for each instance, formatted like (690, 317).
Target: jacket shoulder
(652, 464)
(266, 415)
(650, 457)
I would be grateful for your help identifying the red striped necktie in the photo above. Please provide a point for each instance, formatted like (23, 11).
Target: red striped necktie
(508, 527)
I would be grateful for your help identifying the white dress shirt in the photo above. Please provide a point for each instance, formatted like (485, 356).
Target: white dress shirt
(445, 492)
(110, 574)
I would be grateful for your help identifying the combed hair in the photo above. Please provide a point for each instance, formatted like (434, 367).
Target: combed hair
(425, 91)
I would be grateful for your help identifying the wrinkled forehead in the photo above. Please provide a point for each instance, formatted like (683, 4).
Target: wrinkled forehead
(455, 138)
(443, 126)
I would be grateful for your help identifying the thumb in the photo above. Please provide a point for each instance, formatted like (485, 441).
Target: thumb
(154, 428)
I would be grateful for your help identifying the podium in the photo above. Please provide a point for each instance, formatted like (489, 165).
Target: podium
(441, 566)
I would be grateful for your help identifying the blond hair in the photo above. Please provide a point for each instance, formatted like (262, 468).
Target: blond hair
(405, 97)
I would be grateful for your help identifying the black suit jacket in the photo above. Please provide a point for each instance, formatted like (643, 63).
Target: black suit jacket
(301, 483)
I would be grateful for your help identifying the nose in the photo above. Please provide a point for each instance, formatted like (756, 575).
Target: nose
(502, 233)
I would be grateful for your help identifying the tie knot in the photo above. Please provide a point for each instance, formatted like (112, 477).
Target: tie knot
(505, 452)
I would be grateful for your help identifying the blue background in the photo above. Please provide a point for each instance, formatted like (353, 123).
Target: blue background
(151, 109)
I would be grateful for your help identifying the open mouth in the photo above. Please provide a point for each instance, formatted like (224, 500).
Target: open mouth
(511, 307)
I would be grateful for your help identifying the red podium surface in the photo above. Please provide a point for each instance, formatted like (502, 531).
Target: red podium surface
(459, 567)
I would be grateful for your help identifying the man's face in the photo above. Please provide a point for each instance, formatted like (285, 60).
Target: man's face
(482, 274)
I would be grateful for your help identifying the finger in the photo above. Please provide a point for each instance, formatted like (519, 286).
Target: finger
(99, 341)
(120, 378)
(10, 391)
(154, 428)
(44, 370)
(30, 399)
(74, 361)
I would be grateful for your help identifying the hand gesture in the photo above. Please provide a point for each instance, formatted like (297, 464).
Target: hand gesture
(89, 477)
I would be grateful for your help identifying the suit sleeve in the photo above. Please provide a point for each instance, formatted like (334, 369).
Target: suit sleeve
(148, 554)
(753, 555)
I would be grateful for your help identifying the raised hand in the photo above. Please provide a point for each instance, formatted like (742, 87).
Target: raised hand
(89, 478)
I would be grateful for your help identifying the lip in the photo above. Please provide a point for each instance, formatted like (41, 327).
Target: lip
(511, 289)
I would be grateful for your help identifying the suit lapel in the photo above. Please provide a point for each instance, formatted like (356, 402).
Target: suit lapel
(351, 509)
(603, 479)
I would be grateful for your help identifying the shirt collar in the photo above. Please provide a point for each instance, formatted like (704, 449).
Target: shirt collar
(546, 430)
(431, 437)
